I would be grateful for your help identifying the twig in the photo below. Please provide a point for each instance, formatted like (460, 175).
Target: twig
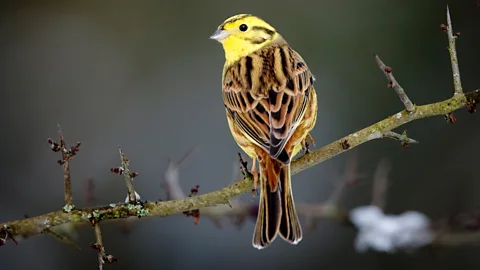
(392, 83)
(99, 245)
(66, 169)
(457, 84)
(125, 170)
(103, 257)
(403, 138)
(67, 155)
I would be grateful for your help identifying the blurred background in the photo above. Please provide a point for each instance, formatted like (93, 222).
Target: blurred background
(145, 76)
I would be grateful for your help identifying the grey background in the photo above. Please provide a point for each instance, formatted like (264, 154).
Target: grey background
(146, 76)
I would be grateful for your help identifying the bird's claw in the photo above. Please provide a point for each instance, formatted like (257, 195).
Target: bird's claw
(306, 145)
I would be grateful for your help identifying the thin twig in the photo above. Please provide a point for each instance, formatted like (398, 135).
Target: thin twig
(99, 244)
(403, 138)
(103, 257)
(457, 84)
(400, 137)
(128, 176)
(392, 83)
(66, 169)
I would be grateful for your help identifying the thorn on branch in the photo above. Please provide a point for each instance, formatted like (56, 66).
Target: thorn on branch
(67, 155)
(457, 84)
(392, 83)
(6, 233)
(195, 213)
(450, 117)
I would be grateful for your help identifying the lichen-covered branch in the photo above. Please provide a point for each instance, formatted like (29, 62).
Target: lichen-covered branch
(35, 225)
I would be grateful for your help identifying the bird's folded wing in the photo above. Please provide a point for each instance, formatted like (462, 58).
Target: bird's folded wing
(269, 117)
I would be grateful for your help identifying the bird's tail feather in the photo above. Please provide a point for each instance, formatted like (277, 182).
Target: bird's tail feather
(276, 210)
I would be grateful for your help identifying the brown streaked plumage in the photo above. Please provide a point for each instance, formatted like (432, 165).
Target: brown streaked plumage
(271, 106)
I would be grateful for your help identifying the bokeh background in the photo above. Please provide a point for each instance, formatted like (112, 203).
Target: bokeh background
(144, 75)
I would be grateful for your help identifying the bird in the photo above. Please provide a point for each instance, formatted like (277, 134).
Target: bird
(271, 107)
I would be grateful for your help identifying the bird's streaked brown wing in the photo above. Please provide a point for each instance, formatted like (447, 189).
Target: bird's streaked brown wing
(265, 94)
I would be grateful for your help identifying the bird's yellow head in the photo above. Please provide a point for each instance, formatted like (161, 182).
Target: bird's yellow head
(243, 34)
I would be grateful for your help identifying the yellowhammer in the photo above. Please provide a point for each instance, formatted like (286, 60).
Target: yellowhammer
(271, 107)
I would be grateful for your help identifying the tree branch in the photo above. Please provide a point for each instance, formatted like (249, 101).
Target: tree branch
(35, 225)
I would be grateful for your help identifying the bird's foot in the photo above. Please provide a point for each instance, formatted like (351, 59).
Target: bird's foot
(306, 144)
(253, 173)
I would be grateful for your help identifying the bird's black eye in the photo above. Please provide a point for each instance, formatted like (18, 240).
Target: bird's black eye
(243, 27)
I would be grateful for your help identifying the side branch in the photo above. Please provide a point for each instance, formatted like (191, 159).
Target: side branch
(125, 170)
(66, 170)
(457, 84)
(392, 83)
(67, 155)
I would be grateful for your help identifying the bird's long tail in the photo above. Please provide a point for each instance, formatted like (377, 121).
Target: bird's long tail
(276, 210)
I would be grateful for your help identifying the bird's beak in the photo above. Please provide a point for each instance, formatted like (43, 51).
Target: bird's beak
(219, 35)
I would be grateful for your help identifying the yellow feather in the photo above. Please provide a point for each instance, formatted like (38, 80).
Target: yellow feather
(237, 44)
